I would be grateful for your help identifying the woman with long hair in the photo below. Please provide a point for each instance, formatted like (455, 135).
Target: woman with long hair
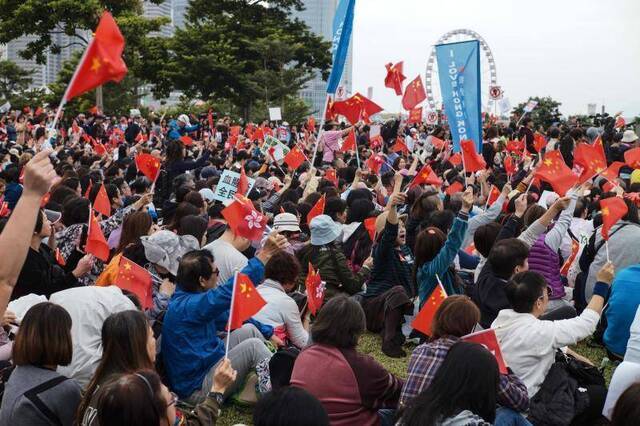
(127, 345)
(463, 390)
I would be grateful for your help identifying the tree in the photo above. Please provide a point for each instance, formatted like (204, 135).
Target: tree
(13, 79)
(244, 50)
(545, 113)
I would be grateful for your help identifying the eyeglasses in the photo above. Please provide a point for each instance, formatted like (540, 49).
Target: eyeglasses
(174, 399)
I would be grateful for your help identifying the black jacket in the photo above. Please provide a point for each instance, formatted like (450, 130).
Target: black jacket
(42, 275)
(489, 295)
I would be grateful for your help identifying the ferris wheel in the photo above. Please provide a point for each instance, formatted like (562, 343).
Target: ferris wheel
(488, 78)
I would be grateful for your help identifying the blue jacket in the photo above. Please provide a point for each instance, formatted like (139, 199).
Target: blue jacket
(621, 309)
(426, 275)
(190, 342)
(175, 131)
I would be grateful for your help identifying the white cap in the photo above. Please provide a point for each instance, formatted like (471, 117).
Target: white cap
(184, 118)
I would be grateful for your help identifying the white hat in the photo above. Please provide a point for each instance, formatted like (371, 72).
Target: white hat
(184, 118)
(207, 194)
(286, 222)
(629, 136)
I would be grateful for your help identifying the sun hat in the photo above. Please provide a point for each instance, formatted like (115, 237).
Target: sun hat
(323, 230)
(184, 118)
(286, 222)
(207, 194)
(165, 248)
(629, 136)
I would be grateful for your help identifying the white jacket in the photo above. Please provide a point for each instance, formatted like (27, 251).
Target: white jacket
(529, 344)
(281, 311)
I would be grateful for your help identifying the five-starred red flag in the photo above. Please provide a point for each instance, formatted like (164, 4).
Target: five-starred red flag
(355, 108)
(509, 166)
(471, 160)
(612, 171)
(331, 176)
(516, 146)
(349, 143)
(454, 188)
(494, 194)
(148, 165)
(243, 183)
(245, 302)
(613, 209)
(101, 204)
(375, 162)
(539, 141)
(589, 160)
(394, 77)
(311, 124)
(317, 209)
(186, 140)
(424, 319)
(426, 176)
(415, 115)
(400, 146)
(554, 171)
(370, 226)
(315, 290)
(456, 159)
(136, 279)
(437, 143)
(102, 62)
(96, 243)
(413, 94)
(59, 258)
(632, 158)
(488, 339)
(294, 158)
(244, 220)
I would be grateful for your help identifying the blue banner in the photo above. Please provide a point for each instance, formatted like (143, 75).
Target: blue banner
(342, 26)
(459, 75)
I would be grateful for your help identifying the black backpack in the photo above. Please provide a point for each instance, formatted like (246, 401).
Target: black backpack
(281, 366)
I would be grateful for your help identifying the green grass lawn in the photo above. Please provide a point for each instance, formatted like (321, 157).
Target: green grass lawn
(370, 344)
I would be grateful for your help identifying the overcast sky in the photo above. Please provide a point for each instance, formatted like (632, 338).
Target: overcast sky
(577, 52)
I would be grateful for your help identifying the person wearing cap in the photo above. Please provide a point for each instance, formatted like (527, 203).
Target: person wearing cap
(180, 127)
(329, 260)
(288, 225)
(41, 274)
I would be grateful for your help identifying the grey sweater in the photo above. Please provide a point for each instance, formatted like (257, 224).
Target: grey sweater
(24, 404)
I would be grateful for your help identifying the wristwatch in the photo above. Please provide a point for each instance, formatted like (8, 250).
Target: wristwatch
(217, 396)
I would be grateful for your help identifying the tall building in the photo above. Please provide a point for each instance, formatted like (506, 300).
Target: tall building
(162, 10)
(179, 10)
(318, 15)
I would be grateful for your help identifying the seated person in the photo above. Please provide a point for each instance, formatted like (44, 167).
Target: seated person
(529, 344)
(191, 347)
(622, 305)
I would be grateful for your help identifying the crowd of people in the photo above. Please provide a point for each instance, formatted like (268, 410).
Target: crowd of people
(401, 218)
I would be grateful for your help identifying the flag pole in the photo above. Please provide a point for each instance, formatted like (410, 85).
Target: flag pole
(321, 129)
(606, 246)
(357, 155)
(63, 101)
(233, 296)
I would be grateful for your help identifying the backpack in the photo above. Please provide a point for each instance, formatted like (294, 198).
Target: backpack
(281, 366)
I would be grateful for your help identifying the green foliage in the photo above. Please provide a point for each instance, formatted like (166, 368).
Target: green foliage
(243, 51)
(545, 114)
(12, 79)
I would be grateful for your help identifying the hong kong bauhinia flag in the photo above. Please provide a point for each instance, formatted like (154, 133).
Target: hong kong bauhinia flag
(315, 290)
(244, 220)
(102, 61)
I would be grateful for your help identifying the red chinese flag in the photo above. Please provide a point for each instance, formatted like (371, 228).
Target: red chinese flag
(136, 279)
(454, 188)
(426, 176)
(575, 248)
(612, 172)
(437, 143)
(331, 176)
(294, 158)
(234, 130)
(102, 61)
(509, 166)
(96, 243)
(186, 140)
(244, 220)
(101, 204)
(493, 195)
(400, 146)
(374, 163)
(355, 108)
(456, 159)
(88, 191)
(632, 158)
(148, 165)
(590, 161)
(423, 320)
(258, 135)
(5, 211)
(415, 115)
(394, 77)
(539, 141)
(94, 110)
(516, 146)
(370, 226)
(317, 209)
(243, 183)
(59, 257)
(246, 301)
(315, 290)
(141, 137)
(349, 143)
(487, 338)
(311, 124)
(471, 160)
(554, 171)
(413, 94)
(613, 209)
